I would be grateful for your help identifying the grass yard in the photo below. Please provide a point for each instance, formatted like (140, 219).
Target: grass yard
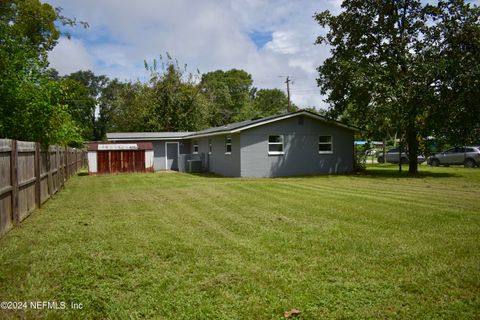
(179, 246)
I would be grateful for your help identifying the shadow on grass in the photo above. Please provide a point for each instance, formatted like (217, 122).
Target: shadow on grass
(205, 175)
(82, 173)
(394, 173)
(380, 172)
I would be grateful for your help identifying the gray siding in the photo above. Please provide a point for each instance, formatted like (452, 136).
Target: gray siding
(301, 155)
(218, 162)
(159, 152)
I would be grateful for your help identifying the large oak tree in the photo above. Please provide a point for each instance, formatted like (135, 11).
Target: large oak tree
(384, 69)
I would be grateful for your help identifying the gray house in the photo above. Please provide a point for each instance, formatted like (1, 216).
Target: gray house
(292, 144)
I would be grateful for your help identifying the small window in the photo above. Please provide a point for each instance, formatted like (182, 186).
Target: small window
(228, 144)
(325, 144)
(210, 146)
(195, 146)
(275, 144)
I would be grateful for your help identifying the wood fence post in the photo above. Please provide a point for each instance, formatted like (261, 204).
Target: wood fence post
(14, 182)
(57, 162)
(37, 170)
(49, 173)
(67, 169)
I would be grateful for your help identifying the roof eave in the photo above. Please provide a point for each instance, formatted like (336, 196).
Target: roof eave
(301, 112)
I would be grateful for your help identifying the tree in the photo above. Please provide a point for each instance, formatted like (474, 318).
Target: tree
(384, 66)
(230, 93)
(456, 45)
(106, 103)
(129, 109)
(30, 98)
(81, 105)
(173, 101)
(89, 104)
(269, 102)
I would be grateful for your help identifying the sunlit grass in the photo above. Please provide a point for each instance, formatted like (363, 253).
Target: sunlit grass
(178, 246)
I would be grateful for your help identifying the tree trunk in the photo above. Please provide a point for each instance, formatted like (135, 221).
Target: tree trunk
(384, 150)
(412, 150)
(400, 150)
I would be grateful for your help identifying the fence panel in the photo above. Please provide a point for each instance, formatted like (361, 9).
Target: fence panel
(30, 175)
(6, 212)
(25, 178)
(44, 185)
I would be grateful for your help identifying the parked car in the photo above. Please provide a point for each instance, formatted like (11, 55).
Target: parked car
(368, 153)
(393, 156)
(469, 156)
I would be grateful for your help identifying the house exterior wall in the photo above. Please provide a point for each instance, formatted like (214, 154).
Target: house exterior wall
(301, 156)
(159, 161)
(218, 162)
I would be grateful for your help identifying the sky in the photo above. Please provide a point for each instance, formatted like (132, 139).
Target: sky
(270, 39)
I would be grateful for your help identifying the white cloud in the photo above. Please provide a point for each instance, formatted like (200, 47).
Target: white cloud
(70, 56)
(207, 35)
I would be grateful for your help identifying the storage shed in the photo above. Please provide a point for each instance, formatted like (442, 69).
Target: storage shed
(120, 157)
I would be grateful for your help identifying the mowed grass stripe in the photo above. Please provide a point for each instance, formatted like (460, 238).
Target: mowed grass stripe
(394, 199)
(408, 187)
(179, 246)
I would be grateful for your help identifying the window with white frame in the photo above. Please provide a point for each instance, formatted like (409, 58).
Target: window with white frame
(325, 144)
(228, 144)
(275, 144)
(210, 148)
(195, 146)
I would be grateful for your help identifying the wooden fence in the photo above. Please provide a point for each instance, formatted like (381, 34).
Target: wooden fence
(30, 175)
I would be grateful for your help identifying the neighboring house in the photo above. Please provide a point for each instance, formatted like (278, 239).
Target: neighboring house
(292, 144)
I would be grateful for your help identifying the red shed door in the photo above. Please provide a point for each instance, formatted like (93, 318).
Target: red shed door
(139, 161)
(128, 161)
(103, 162)
(115, 161)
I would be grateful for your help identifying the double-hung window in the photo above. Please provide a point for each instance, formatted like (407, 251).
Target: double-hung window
(325, 144)
(228, 144)
(195, 146)
(275, 144)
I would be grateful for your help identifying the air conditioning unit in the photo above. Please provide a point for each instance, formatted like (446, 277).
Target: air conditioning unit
(194, 166)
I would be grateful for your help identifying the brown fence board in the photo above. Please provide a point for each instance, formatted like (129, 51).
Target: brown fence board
(6, 213)
(26, 178)
(6, 221)
(29, 175)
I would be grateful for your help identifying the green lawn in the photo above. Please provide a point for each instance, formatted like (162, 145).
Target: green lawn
(179, 246)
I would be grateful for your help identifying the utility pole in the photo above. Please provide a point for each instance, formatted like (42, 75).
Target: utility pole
(288, 93)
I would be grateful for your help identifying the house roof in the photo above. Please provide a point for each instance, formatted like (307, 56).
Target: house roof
(226, 129)
(247, 124)
(140, 136)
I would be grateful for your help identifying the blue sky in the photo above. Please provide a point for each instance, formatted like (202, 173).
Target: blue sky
(260, 38)
(269, 39)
